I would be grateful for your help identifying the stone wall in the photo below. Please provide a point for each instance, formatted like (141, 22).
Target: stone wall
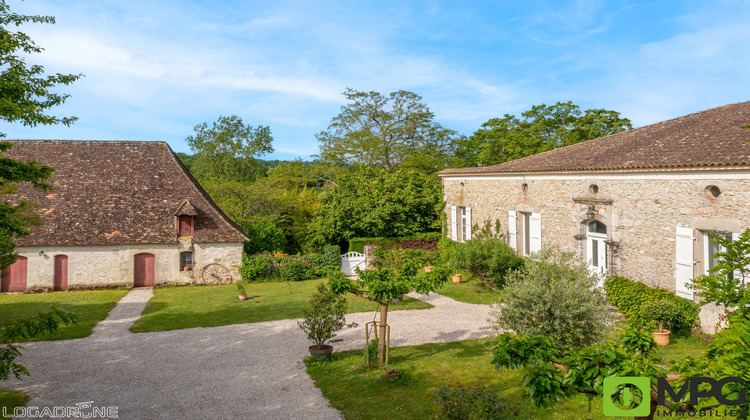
(113, 265)
(641, 212)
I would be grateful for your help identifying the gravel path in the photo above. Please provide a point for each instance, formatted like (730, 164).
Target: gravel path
(249, 371)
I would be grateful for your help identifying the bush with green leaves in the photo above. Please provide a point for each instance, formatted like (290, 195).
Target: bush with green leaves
(477, 403)
(396, 258)
(294, 269)
(489, 259)
(555, 296)
(253, 266)
(629, 296)
(325, 315)
(661, 312)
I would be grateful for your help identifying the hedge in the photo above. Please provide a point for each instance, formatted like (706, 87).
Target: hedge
(358, 244)
(629, 295)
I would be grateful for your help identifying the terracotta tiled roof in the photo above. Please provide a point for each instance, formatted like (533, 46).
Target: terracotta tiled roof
(116, 193)
(711, 138)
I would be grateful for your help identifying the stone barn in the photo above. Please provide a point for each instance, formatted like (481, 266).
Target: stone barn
(640, 204)
(122, 213)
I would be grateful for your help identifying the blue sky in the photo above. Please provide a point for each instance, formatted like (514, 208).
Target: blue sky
(153, 70)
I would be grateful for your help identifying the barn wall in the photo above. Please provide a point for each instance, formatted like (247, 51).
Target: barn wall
(641, 211)
(113, 265)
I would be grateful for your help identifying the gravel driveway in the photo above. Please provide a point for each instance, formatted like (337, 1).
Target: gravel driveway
(250, 371)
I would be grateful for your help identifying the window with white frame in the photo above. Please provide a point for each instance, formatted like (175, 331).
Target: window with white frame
(711, 247)
(526, 226)
(460, 223)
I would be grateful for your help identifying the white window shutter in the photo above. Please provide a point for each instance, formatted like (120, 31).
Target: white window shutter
(683, 272)
(536, 232)
(512, 230)
(468, 223)
(454, 224)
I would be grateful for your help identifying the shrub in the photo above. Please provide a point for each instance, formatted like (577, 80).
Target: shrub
(489, 259)
(332, 256)
(554, 296)
(630, 295)
(324, 317)
(358, 244)
(252, 267)
(660, 311)
(396, 258)
(459, 403)
(294, 269)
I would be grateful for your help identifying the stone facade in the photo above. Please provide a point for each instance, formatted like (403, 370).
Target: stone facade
(641, 211)
(113, 265)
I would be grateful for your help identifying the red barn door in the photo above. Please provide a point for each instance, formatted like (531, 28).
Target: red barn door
(14, 279)
(144, 270)
(61, 273)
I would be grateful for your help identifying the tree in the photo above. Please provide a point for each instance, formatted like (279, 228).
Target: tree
(387, 132)
(227, 149)
(25, 96)
(25, 93)
(377, 203)
(539, 129)
(384, 285)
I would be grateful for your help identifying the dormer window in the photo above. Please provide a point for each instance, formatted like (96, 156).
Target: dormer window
(185, 225)
(185, 219)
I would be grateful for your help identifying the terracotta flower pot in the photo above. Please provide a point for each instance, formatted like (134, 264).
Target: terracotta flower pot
(428, 269)
(323, 351)
(661, 337)
(457, 278)
(280, 255)
(242, 296)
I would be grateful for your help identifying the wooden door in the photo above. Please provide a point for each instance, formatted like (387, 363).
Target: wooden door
(61, 273)
(144, 270)
(14, 279)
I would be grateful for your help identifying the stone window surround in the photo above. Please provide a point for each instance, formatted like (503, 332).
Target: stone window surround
(603, 210)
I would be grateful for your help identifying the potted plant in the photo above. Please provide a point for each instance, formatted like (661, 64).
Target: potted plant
(428, 268)
(241, 293)
(322, 319)
(457, 278)
(661, 312)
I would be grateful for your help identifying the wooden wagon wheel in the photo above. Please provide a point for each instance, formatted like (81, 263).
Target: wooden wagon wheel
(216, 273)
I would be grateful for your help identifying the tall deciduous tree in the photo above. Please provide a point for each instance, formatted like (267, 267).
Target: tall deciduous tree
(539, 129)
(227, 150)
(373, 202)
(25, 92)
(26, 97)
(390, 131)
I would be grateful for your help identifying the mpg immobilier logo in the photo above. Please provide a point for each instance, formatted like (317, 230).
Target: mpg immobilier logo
(630, 407)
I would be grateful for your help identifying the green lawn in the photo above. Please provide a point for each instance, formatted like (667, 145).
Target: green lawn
(89, 307)
(470, 290)
(361, 394)
(11, 399)
(209, 306)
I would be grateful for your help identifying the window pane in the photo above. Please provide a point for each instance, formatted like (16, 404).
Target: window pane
(527, 233)
(597, 227)
(594, 252)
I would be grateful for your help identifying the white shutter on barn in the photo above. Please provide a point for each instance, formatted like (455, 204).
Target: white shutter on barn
(512, 230)
(468, 223)
(683, 272)
(536, 232)
(454, 224)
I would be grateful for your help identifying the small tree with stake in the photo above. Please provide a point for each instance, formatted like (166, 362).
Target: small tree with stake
(384, 285)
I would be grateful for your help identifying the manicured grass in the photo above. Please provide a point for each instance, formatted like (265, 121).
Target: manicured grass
(11, 399)
(362, 394)
(470, 290)
(89, 307)
(209, 306)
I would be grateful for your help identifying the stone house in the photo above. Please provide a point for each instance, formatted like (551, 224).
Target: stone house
(122, 213)
(640, 204)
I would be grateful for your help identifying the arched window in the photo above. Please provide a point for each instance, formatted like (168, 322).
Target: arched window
(597, 227)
